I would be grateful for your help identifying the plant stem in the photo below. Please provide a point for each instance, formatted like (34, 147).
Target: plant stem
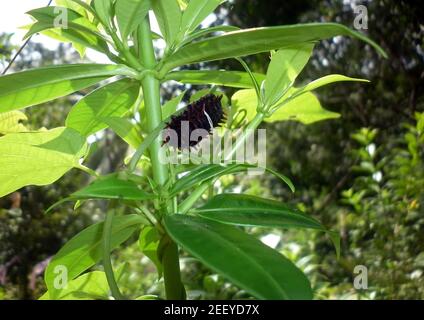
(107, 264)
(151, 93)
(171, 273)
(197, 193)
(151, 88)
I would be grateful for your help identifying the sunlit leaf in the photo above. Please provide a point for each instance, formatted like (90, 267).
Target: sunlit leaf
(306, 108)
(196, 12)
(89, 286)
(11, 122)
(35, 86)
(168, 15)
(111, 100)
(129, 14)
(38, 158)
(285, 66)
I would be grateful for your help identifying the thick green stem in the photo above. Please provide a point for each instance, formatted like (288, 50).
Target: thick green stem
(151, 90)
(198, 192)
(107, 263)
(171, 273)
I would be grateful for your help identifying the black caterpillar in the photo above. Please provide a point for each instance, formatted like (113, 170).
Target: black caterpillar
(205, 113)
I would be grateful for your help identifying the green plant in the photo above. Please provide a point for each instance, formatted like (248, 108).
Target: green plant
(152, 196)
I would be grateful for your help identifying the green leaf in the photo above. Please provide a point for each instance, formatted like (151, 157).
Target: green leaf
(56, 35)
(73, 34)
(11, 122)
(203, 32)
(77, 28)
(305, 108)
(89, 286)
(331, 78)
(111, 100)
(38, 158)
(241, 258)
(246, 210)
(126, 129)
(196, 12)
(209, 172)
(104, 10)
(234, 79)
(49, 14)
(252, 41)
(148, 243)
(85, 249)
(168, 15)
(285, 66)
(129, 14)
(32, 87)
(77, 6)
(112, 187)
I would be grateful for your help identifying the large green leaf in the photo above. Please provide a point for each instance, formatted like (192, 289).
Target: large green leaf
(196, 12)
(85, 249)
(234, 79)
(210, 172)
(247, 210)
(38, 158)
(11, 122)
(111, 100)
(305, 108)
(251, 41)
(89, 286)
(129, 14)
(32, 87)
(285, 66)
(239, 257)
(168, 15)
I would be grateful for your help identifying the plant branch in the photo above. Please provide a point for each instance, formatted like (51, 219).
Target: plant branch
(107, 264)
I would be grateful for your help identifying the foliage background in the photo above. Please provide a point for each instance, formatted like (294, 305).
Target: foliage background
(362, 174)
